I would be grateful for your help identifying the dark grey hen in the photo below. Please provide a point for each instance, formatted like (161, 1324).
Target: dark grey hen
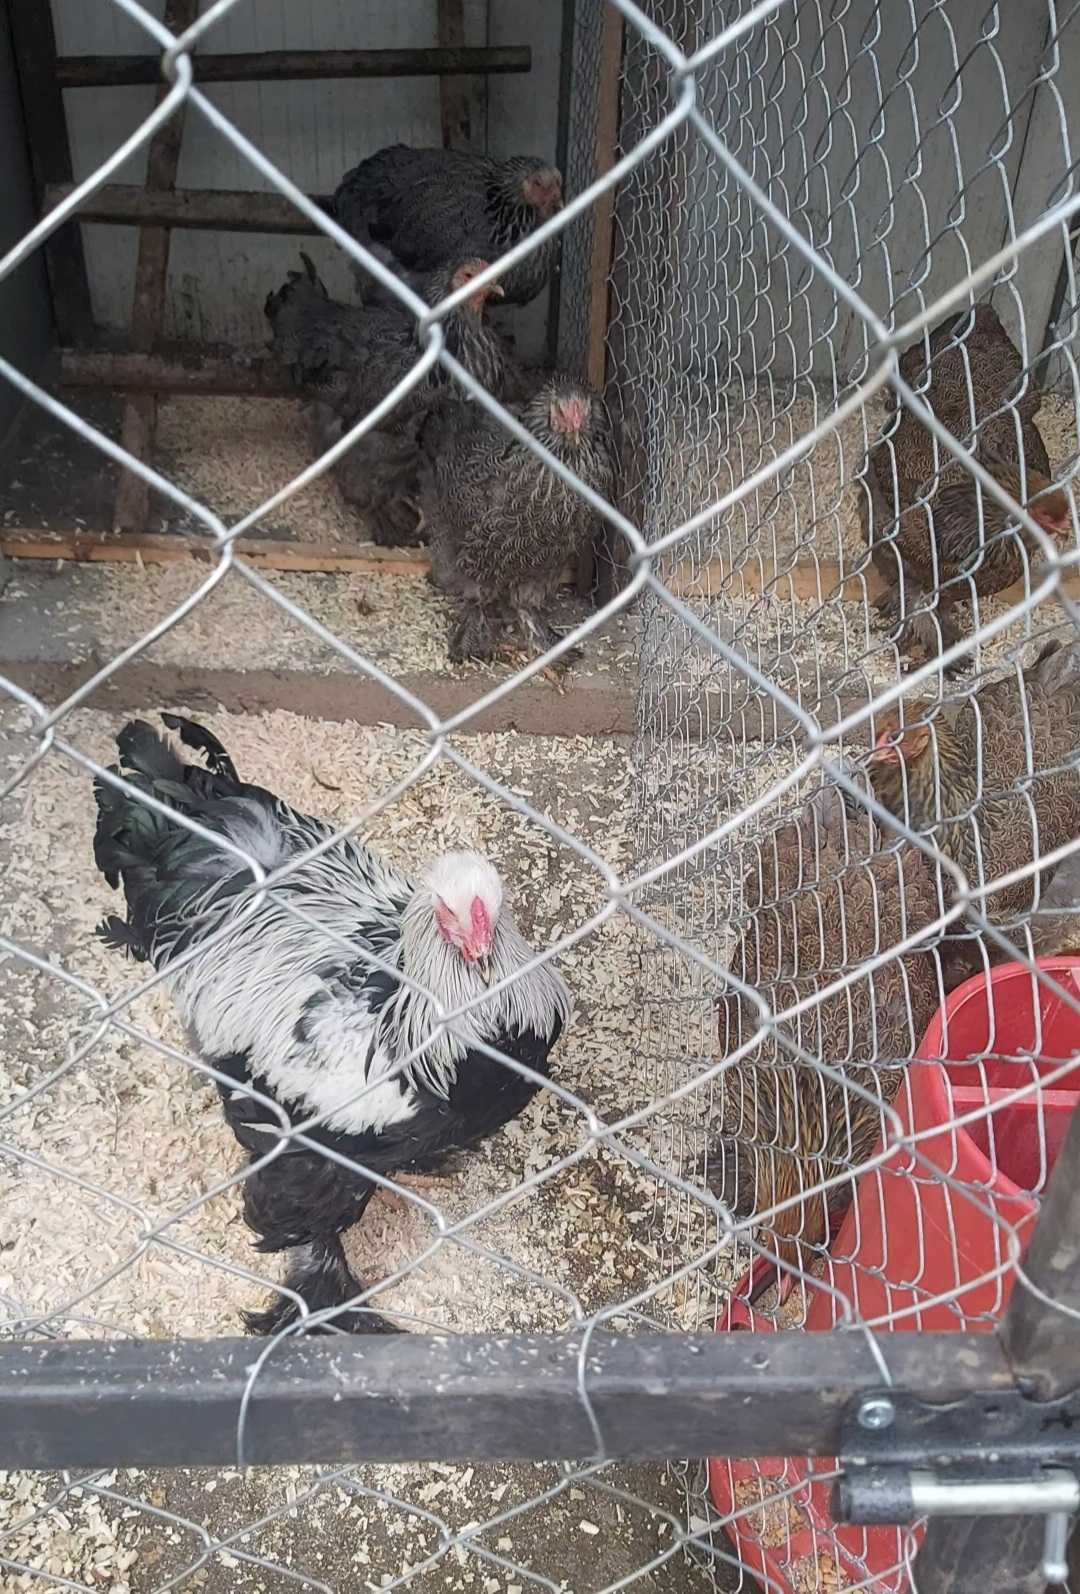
(347, 358)
(419, 209)
(502, 523)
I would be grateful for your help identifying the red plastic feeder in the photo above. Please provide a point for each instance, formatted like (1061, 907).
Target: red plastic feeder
(914, 1253)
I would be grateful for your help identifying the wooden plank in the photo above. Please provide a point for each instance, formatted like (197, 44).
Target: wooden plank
(34, 44)
(132, 509)
(459, 97)
(149, 549)
(599, 566)
(295, 66)
(800, 582)
(607, 137)
(595, 706)
(201, 209)
(182, 372)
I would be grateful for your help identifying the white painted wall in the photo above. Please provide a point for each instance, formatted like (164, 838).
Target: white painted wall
(902, 178)
(313, 131)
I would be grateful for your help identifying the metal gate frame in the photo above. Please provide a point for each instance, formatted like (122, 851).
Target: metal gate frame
(959, 1427)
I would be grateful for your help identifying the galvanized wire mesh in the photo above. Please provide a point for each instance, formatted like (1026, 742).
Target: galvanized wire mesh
(800, 196)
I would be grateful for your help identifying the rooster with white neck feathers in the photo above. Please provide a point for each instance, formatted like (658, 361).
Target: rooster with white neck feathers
(296, 1010)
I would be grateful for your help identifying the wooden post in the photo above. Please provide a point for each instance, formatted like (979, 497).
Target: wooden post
(34, 44)
(462, 100)
(598, 564)
(294, 66)
(132, 507)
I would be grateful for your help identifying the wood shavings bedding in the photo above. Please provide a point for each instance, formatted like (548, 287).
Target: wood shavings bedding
(141, 1129)
(232, 454)
(398, 622)
(810, 511)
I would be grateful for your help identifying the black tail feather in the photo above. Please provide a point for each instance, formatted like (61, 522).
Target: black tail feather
(320, 1274)
(116, 934)
(140, 848)
(298, 286)
(144, 751)
(205, 742)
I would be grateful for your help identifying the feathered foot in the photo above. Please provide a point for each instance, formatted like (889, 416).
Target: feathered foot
(476, 634)
(320, 1274)
(398, 523)
(542, 636)
(925, 627)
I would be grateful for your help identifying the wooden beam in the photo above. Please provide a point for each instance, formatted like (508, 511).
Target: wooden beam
(132, 509)
(294, 66)
(715, 581)
(268, 554)
(457, 95)
(200, 209)
(607, 138)
(34, 44)
(604, 559)
(176, 373)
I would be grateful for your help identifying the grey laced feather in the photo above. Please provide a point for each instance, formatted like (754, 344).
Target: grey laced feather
(346, 358)
(417, 209)
(502, 523)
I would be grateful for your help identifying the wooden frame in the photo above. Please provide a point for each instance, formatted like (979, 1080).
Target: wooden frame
(800, 583)
(157, 207)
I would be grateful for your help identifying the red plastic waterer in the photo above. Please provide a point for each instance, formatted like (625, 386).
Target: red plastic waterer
(914, 1252)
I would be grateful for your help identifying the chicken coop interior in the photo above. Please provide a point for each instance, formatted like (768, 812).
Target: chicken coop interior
(820, 313)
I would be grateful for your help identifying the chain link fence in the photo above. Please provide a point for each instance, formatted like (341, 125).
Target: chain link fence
(852, 789)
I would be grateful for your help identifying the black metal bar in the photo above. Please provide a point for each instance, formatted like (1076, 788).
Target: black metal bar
(421, 1398)
(1041, 1327)
(981, 1554)
(34, 44)
(291, 66)
(201, 209)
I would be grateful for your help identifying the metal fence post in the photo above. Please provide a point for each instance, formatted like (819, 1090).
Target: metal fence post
(1041, 1336)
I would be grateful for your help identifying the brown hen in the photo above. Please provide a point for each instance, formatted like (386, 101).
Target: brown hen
(821, 903)
(961, 775)
(922, 521)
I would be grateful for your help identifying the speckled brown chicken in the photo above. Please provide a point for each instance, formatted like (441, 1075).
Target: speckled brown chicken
(963, 776)
(932, 556)
(821, 899)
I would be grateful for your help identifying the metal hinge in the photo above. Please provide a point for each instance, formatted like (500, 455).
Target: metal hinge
(999, 1454)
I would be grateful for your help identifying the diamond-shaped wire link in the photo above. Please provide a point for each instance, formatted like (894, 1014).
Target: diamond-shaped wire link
(801, 195)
